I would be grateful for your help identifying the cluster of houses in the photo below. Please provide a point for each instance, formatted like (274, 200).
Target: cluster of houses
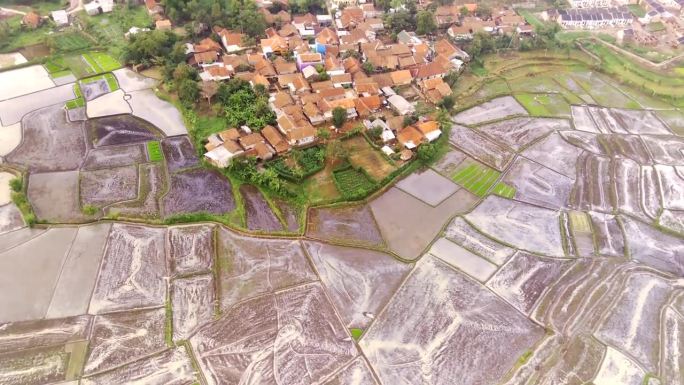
(312, 65)
(462, 27)
(594, 18)
(60, 17)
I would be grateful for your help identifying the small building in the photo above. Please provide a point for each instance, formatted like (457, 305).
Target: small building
(275, 139)
(222, 154)
(92, 8)
(410, 137)
(401, 77)
(401, 105)
(429, 129)
(60, 17)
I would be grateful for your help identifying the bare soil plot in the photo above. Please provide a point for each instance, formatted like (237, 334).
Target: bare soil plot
(290, 213)
(651, 192)
(617, 368)
(13, 110)
(11, 59)
(78, 274)
(555, 153)
(152, 184)
(356, 373)
(258, 212)
(122, 337)
(428, 186)
(672, 364)
(626, 146)
(362, 154)
(348, 224)
(523, 279)
(409, 230)
(640, 122)
(17, 336)
(172, 367)
(130, 81)
(609, 237)
(449, 163)
(359, 282)
(50, 142)
(292, 337)
(462, 259)
(519, 224)
(673, 119)
(133, 270)
(627, 179)
(124, 129)
(654, 248)
(480, 147)
(605, 121)
(10, 137)
(54, 196)
(191, 249)
(520, 132)
(584, 140)
(665, 150)
(538, 185)
(109, 104)
(24, 81)
(192, 303)
(10, 218)
(582, 119)
(34, 366)
(404, 342)
(198, 190)
(495, 109)
(148, 106)
(179, 153)
(672, 220)
(114, 156)
(462, 233)
(248, 267)
(107, 186)
(672, 187)
(29, 274)
(633, 323)
(593, 184)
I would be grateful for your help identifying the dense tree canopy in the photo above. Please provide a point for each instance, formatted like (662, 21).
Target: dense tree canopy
(154, 47)
(241, 15)
(243, 105)
(425, 23)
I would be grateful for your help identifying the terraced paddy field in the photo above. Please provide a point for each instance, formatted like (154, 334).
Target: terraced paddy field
(539, 250)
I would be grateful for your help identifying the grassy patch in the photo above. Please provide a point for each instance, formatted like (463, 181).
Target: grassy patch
(503, 190)
(544, 104)
(530, 18)
(657, 26)
(108, 77)
(363, 155)
(353, 183)
(154, 151)
(75, 103)
(70, 41)
(356, 333)
(478, 179)
(101, 62)
(637, 10)
(20, 199)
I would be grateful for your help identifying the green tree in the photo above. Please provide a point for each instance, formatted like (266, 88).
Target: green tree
(483, 11)
(447, 102)
(339, 116)
(425, 23)
(444, 120)
(368, 67)
(399, 21)
(323, 133)
(188, 91)
(426, 152)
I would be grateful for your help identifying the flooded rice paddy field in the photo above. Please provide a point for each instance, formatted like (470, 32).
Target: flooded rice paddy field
(575, 278)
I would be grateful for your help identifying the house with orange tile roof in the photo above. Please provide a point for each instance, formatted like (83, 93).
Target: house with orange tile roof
(232, 41)
(445, 48)
(275, 139)
(309, 59)
(435, 89)
(410, 137)
(31, 20)
(401, 77)
(429, 71)
(429, 129)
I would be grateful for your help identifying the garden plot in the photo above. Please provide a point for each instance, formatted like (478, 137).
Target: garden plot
(609, 237)
(123, 129)
(672, 220)
(162, 114)
(517, 133)
(538, 185)
(431, 317)
(480, 147)
(24, 81)
(556, 154)
(50, 143)
(258, 212)
(248, 267)
(54, 197)
(363, 155)
(593, 185)
(524, 226)
(672, 361)
(671, 186)
(448, 164)
(428, 186)
(410, 230)
(171, 367)
(292, 337)
(191, 249)
(633, 323)
(71, 295)
(130, 81)
(525, 277)
(619, 369)
(29, 273)
(626, 146)
(584, 141)
(34, 366)
(10, 137)
(357, 373)
(10, 218)
(122, 337)
(360, 282)
(192, 303)
(112, 103)
(582, 119)
(640, 122)
(179, 153)
(471, 264)
(107, 186)
(495, 109)
(654, 248)
(348, 224)
(114, 156)
(152, 179)
(13, 110)
(133, 270)
(460, 232)
(198, 190)
(665, 150)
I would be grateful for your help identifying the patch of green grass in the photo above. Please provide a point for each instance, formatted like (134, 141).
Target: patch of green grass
(60, 74)
(109, 77)
(89, 210)
(104, 61)
(478, 179)
(655, 27)
(530, 18)
(356, 333)
(70, 41)
(503, 190)
(92, 63)
(544, 104)
(637, 10)
(353, 183)
(75, 103)
(154, 151)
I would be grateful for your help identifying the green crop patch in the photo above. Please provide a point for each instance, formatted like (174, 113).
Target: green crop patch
(75, 103)
(478, 179)
(356, 333)
(104, 61)
(70, 41)
(353, 183)
(544, 104)
(154, 152)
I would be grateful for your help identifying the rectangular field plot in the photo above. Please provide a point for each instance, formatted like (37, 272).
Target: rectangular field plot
(480, 147)
(362, 155)
(544, 104)
(352, 183)
(102, 61)
(478, 179)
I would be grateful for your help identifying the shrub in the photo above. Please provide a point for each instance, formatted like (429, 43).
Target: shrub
(16, 184)
(89, 210)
